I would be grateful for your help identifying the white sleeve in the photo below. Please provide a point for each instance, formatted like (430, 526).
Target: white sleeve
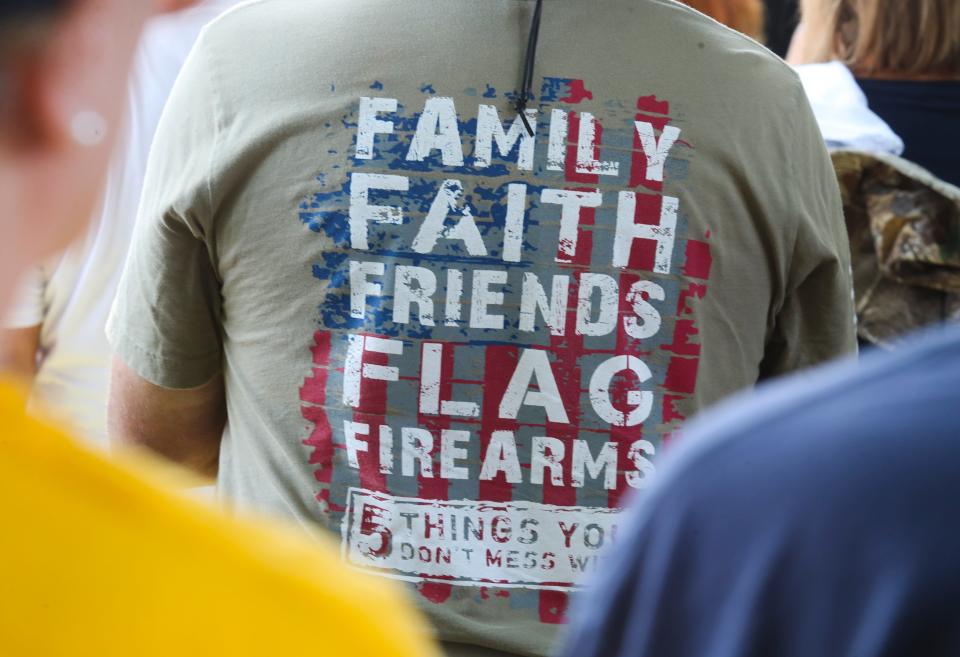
(26, 310)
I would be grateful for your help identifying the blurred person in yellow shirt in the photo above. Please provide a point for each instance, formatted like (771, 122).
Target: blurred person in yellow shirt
(96, 559)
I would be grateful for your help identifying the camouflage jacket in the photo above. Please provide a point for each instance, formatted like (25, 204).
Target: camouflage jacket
(904, 227)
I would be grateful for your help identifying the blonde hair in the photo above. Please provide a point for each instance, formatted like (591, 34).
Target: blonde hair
(913, 37)
(744, 16)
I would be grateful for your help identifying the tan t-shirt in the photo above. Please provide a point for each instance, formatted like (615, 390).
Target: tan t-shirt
(455, 345)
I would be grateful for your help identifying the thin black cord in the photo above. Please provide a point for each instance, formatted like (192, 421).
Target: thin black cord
(530, 60)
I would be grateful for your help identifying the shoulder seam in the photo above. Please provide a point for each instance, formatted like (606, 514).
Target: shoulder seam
(761, 48)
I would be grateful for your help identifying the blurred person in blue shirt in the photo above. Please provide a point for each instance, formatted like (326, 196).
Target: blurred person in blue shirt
(816, 518)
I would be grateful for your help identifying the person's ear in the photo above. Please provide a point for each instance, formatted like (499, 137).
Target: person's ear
(62, 108)
(79, 85)
(69, 95)
(66, 99)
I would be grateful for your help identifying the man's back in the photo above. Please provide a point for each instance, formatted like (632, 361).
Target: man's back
(461, 361)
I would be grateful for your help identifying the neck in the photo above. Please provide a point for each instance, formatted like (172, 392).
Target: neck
(15, 259)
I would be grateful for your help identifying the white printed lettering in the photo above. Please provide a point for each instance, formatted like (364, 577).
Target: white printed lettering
(369, 125)
(361, 212)
(437, 129)
(490, 130)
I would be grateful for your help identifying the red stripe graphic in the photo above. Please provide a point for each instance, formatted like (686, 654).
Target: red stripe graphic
(499, 362)
(313, 394)
(372, 411)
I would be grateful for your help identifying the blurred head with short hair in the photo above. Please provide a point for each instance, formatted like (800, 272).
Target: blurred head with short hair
(904, 38)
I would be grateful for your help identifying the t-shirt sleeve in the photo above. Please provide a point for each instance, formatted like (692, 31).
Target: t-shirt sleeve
(27, 307)
(165, 321)
(816, 320)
